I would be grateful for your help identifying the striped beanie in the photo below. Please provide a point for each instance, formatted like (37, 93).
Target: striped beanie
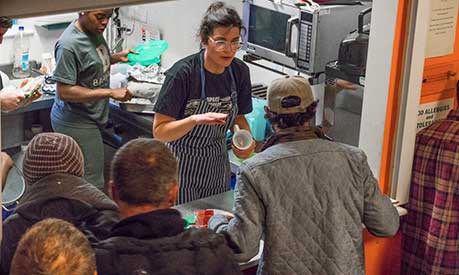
(51, 153)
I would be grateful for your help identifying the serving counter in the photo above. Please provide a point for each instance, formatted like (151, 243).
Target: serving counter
(223, 201)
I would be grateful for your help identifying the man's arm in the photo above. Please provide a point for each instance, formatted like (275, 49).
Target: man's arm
(75, 93)
(5, 165)
(246, 228)
(380, 216)
(121, 56)
(12, 99)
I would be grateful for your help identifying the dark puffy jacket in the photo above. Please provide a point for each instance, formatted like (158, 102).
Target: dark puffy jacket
(64, 197)
(156, 243)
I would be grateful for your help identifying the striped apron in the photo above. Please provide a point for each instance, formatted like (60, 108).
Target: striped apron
(204, 168)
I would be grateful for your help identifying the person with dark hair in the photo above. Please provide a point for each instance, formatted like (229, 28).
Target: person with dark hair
(53, 169)
(150, 238)
(5, 24)
(203, 96)
(81, 105)
(306, 196)
(53, 247)
(430, 231)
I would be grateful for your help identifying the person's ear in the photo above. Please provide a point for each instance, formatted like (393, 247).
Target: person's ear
(173, 192)
(204, 41)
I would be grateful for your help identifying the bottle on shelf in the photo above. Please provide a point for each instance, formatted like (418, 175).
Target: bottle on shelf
(21, 45)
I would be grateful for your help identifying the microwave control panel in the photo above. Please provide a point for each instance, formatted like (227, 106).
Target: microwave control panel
(305, 42)
(321, 32)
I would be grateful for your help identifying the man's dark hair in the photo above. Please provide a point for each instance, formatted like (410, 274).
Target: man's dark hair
(143, 171)
(292, 120)
(56, 247)
(218, 14)
(5, 22)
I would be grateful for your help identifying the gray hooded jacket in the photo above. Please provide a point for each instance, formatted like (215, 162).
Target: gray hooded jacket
(308, 200)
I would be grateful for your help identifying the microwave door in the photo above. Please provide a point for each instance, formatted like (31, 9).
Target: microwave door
(271, 31)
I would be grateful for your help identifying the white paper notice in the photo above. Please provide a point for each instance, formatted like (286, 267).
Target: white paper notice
(442, 28)
(428, 113)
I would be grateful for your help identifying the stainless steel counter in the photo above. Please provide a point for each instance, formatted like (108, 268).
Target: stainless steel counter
(223, 201)
(44, 102)
(16, 124)
(141, 121)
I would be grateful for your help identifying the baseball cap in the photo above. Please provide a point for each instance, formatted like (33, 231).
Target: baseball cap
(289, 94)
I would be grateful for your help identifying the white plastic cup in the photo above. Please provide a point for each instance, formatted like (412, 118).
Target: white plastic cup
(47, 63)
(242, 139)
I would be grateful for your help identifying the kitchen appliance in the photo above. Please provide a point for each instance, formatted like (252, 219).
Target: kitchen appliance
(299, 35)
(343, 106)
(139, 105)
(353, 50)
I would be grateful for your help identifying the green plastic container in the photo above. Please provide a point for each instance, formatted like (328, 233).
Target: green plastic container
(148, 53)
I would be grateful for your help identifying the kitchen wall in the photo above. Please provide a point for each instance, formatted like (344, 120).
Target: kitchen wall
(178, 22)
(41, 39)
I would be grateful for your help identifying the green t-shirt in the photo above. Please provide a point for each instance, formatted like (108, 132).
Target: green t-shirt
(84, 60)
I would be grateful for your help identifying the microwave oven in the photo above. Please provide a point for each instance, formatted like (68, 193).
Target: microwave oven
(296, 34)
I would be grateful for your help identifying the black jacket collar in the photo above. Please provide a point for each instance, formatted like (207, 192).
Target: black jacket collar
(155, 224)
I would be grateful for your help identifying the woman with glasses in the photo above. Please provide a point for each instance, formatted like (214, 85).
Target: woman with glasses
(203, 96)
(82, 73)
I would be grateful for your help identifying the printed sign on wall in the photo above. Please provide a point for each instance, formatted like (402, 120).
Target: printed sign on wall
(442, 28)
(430, 112)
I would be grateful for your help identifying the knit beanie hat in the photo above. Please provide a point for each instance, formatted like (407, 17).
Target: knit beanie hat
(51, 153)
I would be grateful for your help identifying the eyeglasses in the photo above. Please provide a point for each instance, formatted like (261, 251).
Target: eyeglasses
(221, 45)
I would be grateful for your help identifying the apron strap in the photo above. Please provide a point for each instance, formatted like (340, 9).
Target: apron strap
(203, 79)
(233, 84)
(203, 76)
